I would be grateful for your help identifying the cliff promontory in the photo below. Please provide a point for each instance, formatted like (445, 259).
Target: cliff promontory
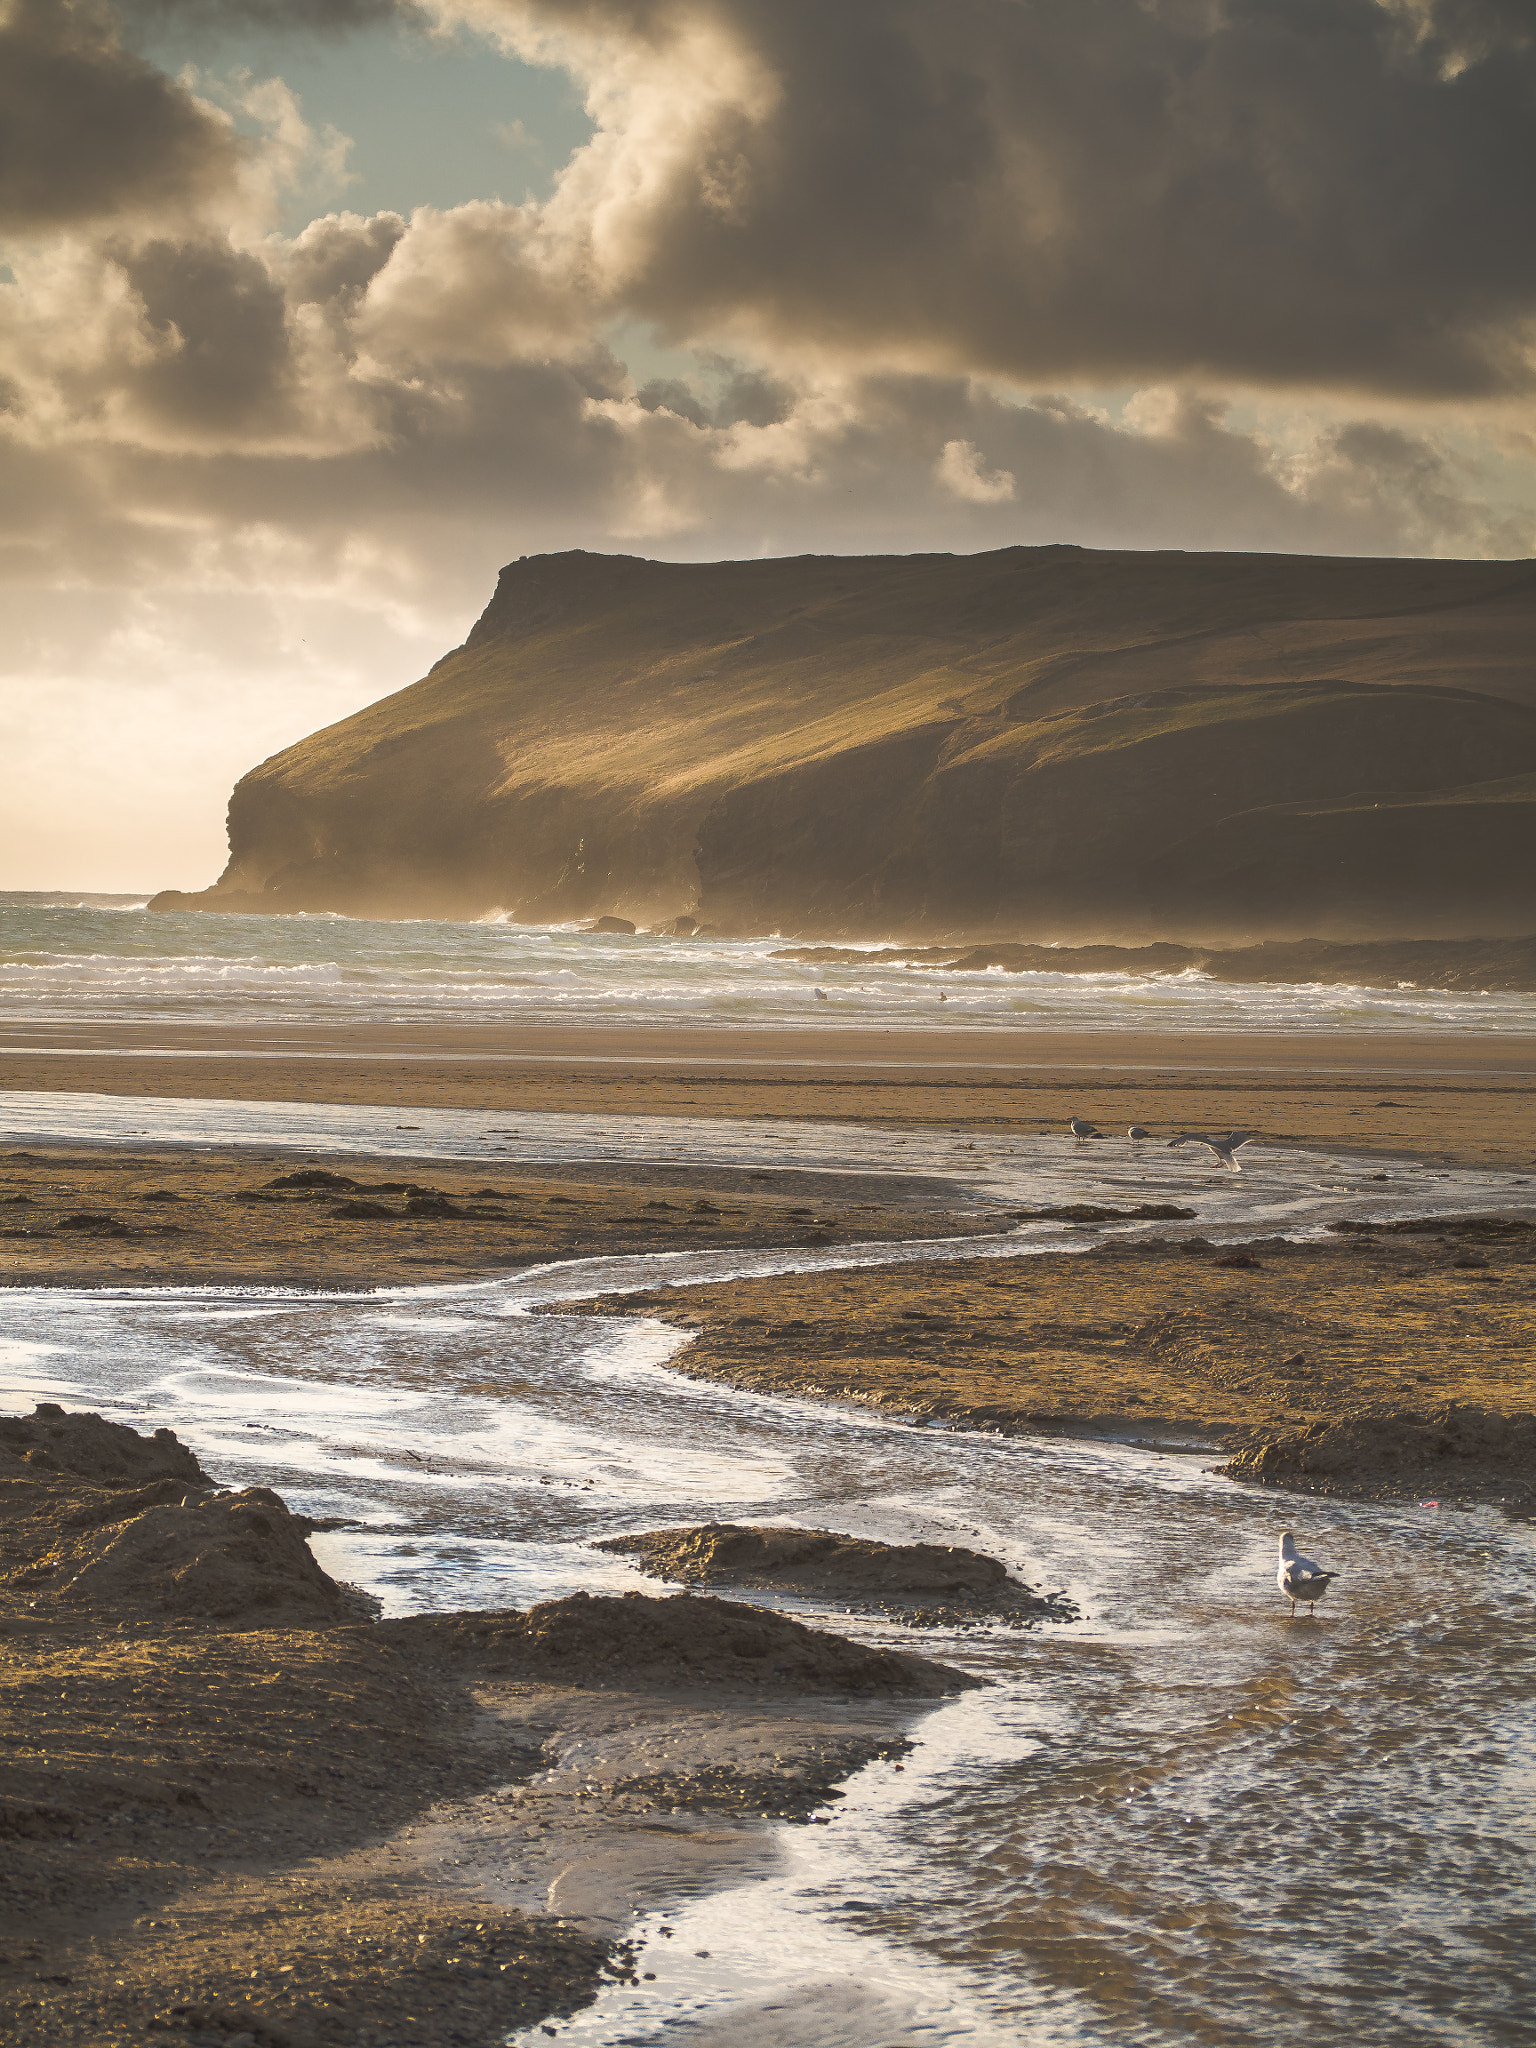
(1047, 743)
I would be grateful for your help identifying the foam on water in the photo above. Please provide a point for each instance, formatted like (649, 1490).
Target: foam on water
(67, 962)
(1096, 1849)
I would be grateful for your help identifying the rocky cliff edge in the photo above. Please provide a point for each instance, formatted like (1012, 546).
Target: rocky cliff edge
(1047, 743)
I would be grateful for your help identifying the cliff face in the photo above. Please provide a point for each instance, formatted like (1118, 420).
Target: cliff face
(1047, 742)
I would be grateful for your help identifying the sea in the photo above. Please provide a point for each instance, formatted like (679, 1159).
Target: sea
(64, 957)
(1182, 1818)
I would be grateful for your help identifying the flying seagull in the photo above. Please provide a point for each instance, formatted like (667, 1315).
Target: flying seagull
(1137, 1131)
(1082, 1130)
(1222, 1147)
(1299, 1578)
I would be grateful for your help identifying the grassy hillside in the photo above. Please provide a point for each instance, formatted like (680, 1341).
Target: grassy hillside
(1202, 810)
(1046, 742)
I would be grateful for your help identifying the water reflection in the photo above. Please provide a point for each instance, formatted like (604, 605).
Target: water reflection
(1185, 1818)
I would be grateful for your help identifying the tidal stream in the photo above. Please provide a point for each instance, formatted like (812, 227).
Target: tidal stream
(1184, 1818)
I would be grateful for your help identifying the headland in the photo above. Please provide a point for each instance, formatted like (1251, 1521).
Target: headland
(1041, 743)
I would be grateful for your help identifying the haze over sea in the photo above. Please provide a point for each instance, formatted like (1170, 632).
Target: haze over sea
(64, 956)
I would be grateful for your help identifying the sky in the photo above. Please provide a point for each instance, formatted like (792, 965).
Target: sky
(313, 313)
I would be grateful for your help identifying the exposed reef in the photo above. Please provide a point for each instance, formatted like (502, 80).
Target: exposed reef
(1040, 742)
(1464, 965)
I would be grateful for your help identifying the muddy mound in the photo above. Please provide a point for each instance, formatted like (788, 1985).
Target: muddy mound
(682, 1642)
(812, 1558)
(237, 1558)
(1456, 1449)
(927, 1577)
(106, 1521)
(86, 1447)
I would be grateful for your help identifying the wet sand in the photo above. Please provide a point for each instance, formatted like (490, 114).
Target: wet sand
(188, 1814)
(1329, 1356)
(325, 1836)
(227, 1832)
(1131, 1341)
(1451, 1097)
(170, 1217)
(235, 1809)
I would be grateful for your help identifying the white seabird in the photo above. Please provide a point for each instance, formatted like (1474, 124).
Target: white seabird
(1137, 1131)
(1082, 1130)
(1299, 1578)
(1222, 1147)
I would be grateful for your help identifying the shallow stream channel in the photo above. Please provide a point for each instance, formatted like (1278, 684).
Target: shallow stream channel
(1182, 1818)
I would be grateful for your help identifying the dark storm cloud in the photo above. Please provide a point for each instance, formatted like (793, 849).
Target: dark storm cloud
(1061, 192)
(1327, 192)
(88, 130)
(227, 366)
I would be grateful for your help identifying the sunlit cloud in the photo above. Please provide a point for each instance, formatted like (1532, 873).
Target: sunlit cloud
(892, 257)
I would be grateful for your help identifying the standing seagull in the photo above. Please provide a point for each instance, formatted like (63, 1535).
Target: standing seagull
(1299, 1578)
(1136, 1131)
(1222, 1147)
(1082, 1130)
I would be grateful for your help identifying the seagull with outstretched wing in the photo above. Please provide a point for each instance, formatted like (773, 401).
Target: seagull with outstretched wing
(1222, 1147)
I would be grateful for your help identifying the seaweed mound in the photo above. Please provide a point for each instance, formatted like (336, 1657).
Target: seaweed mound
(238, 1557)
(682, 1642)
(1457, 1448)
(104, 1521)
(933, 1583)
(1430, 1226)
(105, 1453)
(1095, 1212)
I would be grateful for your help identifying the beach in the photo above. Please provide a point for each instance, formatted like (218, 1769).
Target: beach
(232, 1793)
(1454, 1097)
(1335, 1368)
(1164, 1336)
(472, 1295)
(239, 1217)
(767, 1025)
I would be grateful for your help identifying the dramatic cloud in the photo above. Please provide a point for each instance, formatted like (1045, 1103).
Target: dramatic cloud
(1276, 192)
(1255, 194)
(1180, 273)
(88, 131)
